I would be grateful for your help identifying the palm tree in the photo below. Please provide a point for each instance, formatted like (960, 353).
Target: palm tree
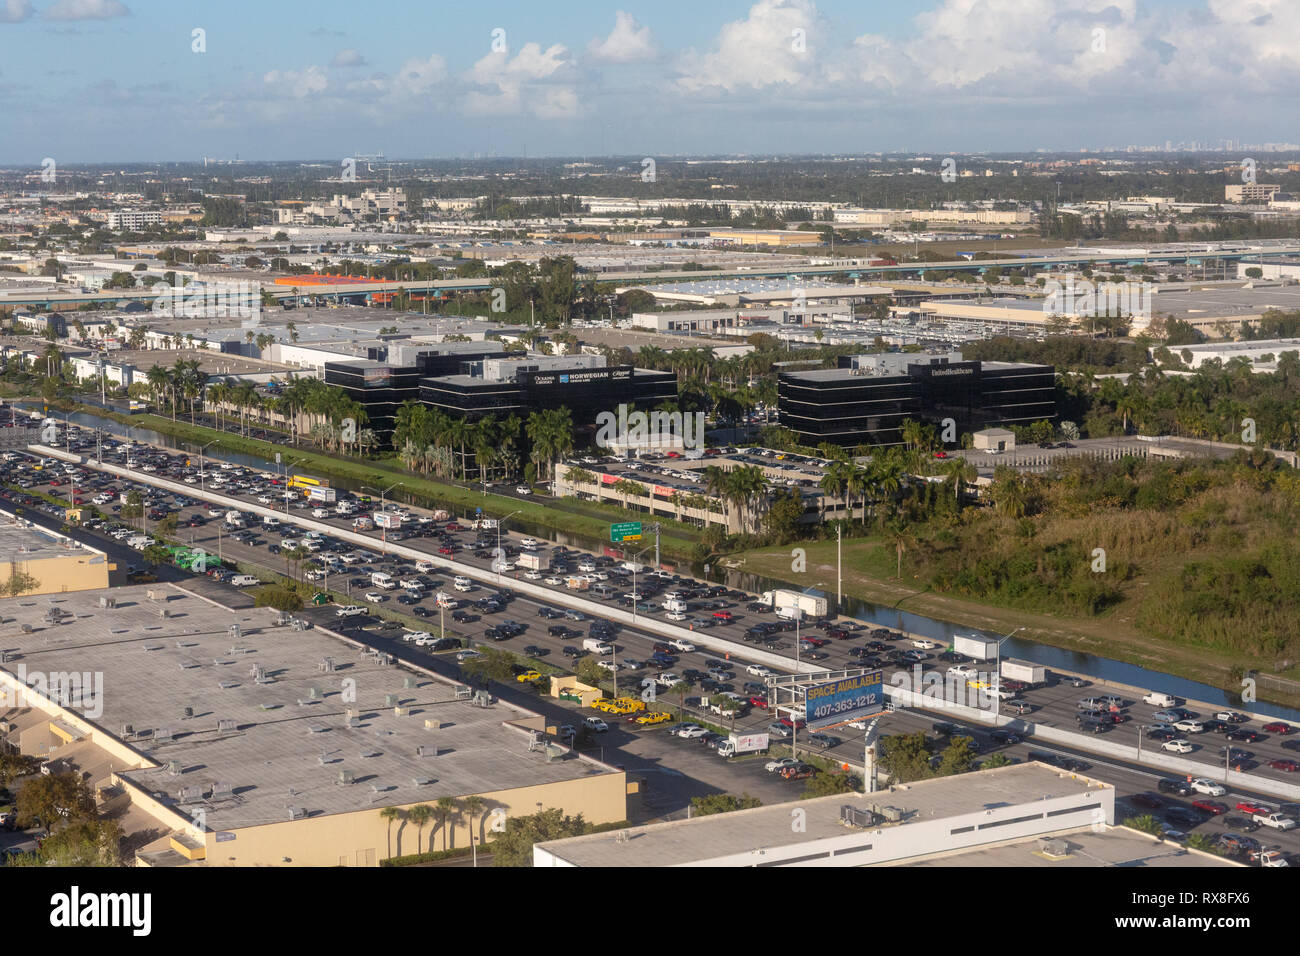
(419, 815)
(388, 815)
(474, 806)
(446, 808)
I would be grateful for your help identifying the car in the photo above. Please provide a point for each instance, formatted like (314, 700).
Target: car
(690, 731)
(1177, 746)
(824, 741)
(523, 490)
(1207, 787)
(1213, 807)
(1273, 858)
(527, 676)
(1278, 727)
(595, 724)
(777, 729)
(776, 766)
(1252, 807)
(1004, 738)
(1189, 726)
(649, 720)
(1162, 733)
(1248, 736)
(1231, 717)
(1235, 845)
(799, 772)
(923, 644)
(1288, 766)
(1146, 800)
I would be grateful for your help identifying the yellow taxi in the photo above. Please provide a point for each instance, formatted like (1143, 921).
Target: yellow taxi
(649, 720)
(527, 676)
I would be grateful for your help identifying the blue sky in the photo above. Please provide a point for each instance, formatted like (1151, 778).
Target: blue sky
(117, 80)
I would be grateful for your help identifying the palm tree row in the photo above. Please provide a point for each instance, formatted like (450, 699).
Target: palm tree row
(182, 384)
(447, 810)
(429, 440)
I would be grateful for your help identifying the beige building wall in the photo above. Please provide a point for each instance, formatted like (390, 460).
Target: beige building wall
(362, 838)
(75, 571)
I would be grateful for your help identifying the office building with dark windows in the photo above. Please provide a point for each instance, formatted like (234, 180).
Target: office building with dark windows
(866, 400)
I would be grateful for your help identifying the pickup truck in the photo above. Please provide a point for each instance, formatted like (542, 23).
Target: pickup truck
(1275, 820)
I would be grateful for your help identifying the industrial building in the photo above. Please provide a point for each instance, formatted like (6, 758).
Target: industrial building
(46, 561)
(866, 399)
(215, 738)
(910, 823)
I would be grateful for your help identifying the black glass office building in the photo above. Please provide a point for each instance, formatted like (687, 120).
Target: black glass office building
(855, 406)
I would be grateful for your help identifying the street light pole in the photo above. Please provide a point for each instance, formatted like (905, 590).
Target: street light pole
(500, 555)
(997, 667)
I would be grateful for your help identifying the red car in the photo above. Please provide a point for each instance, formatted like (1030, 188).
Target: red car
(1290, 766)
(1249, 806)
(445, 549)
(722, 615)
(1212, 807)
(814, 642)
(940, 454)
(452, 526)
(1277, 727)
(800, 724)
(759, 702)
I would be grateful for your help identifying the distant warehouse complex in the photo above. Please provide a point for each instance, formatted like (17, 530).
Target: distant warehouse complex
(866, 400)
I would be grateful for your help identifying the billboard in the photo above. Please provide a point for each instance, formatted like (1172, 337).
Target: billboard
(839, 701)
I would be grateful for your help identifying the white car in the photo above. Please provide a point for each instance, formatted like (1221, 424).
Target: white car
(1208, 787)
(758, 670)
(586, 564)
(416, 637)
(523, 490)
(215, 512)
(682, 645)
(772, 766)
(1177, 746)
(607, 666)
(964, 671)
(533, 575)
(690, 731)
(554, 581)
(595, 724)
(1189, 726)
(924, 645)
(675, 616)
(265, 499)
(374, 597)
(350, 610)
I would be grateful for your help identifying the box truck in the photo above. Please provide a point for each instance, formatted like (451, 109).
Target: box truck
(531, 562)
(1026, 671)
(743, 744)
(980, 648)
(812, 605)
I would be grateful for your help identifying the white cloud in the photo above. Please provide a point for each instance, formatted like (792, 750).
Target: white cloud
(628, 42)
(298, 83)
(15, 11)
(348, 58)
(420, 77)
(536, 81)
(86, 10)
(762, 50)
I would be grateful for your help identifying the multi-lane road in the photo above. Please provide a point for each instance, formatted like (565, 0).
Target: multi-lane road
(678, 767)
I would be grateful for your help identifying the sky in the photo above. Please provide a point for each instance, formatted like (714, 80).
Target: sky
(132, 81)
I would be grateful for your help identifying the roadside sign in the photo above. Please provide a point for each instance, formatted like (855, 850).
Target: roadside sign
(839, 701)
(625, 531)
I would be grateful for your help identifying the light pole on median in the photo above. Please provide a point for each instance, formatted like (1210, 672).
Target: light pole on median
(383, 510)
(202, 470)
(500, 557)
(997, 668)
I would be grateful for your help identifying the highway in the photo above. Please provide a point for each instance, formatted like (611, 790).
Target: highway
(1053, 705)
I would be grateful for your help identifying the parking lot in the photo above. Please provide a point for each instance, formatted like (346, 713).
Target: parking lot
(491, 613)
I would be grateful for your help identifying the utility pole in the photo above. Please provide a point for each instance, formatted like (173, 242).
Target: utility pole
(839, 564)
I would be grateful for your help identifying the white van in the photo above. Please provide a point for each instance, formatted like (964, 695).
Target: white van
(381, 580)
(424, 567)
(270, 522)
(672, 604)
(462, 584)
(245, 580)
(530, 544)
(597, 646)
(1157, 699)
(445, 600)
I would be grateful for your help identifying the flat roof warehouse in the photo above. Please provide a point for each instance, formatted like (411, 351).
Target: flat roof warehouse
(256, 730)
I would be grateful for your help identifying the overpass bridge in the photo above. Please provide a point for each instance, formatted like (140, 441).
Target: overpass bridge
(365, 292)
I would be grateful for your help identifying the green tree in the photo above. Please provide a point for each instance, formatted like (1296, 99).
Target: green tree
(420, 814)
(957, 757)
(828, 784)
(722, 803)
(514, 847)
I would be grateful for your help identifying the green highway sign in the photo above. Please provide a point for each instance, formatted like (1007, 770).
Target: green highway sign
(625, 531)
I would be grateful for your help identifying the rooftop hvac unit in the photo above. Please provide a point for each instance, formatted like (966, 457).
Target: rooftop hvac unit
(346, 777)
(390, 700)
(225, 726)
(163, 612)
(326, 665)
(1054, 846)
(410, 682)
(297, 813)
(222, 790)
(173, 767)
(856, 816)
(187, 712)
(315, 693)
